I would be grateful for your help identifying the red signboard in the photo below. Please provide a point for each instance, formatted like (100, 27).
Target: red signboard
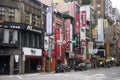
(68, 33)
(83, 18)
(57, 37)
(77, 18)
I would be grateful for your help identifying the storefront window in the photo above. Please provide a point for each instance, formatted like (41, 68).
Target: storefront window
(13, 36)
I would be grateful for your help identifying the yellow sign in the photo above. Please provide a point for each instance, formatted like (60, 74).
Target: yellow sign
(58, 1)
(94, 32)
(105, 23)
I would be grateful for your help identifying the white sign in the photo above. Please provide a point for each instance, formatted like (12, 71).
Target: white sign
(32, 51)
(46, 42)
(16, 58)
(49, 25)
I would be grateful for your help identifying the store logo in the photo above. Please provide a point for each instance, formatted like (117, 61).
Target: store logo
(33, 52)
(29, 27)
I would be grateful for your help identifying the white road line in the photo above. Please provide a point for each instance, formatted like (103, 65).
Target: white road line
(19, 77)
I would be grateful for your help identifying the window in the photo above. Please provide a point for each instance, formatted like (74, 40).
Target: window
(40, 41)
(32, 40)
(2, 13)
(38, 21)
(1, 35)
(37, 41)
(11, 36)
(11, 14)
(33, 19)
(27, 18)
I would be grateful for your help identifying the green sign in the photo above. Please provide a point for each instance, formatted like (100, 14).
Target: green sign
(49, 52)
(72, 41)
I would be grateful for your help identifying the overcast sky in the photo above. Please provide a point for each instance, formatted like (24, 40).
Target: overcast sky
(116, 4)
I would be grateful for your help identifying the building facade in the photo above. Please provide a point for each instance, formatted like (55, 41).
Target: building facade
(104, 11)
(21, 33)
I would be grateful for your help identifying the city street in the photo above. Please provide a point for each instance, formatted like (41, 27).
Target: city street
(112, 73)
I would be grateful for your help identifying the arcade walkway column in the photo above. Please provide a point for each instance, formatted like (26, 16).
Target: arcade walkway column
(11, 64)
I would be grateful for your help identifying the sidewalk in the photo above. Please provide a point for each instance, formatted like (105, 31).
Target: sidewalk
(29, 74)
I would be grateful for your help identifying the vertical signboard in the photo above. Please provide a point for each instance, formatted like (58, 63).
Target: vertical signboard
(67, 33)
(49, 11)
(77, 28)
(57, 38)
(94, 32)
(105, 23)
(83, 18)
(100, 30)
(46, 42)
(90, 47)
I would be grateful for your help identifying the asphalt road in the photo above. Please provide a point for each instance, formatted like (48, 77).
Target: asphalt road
(112, 73)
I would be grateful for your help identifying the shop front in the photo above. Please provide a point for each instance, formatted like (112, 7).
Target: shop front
(32, 60)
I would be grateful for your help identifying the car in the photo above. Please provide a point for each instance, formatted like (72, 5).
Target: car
(62, 68)
(80, 67)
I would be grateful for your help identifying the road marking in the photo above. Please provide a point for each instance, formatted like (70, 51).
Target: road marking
(19, 77)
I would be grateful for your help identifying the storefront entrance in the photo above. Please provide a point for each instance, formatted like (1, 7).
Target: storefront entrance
(33, 64)
(4, 65)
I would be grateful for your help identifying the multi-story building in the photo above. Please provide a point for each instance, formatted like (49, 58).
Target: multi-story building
(88, 24)
(104, 11)
(21, 36)
(116, 37)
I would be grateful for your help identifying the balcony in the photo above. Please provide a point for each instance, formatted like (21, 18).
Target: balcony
(11, 45)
